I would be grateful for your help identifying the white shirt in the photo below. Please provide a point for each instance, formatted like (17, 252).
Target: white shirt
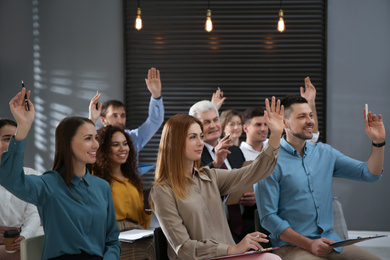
(250, 154)
(17, 213)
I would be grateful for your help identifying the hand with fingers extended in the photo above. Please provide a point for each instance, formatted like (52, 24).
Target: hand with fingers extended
(217, 98)
(309, 92)
(320, 247)
(249, 242)
(274, 116)
(221, 151)
(374, 127)
(95, 108)
(153, 82)
(23, 117)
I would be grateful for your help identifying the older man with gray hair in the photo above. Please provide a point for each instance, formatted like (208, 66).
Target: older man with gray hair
(220, 153)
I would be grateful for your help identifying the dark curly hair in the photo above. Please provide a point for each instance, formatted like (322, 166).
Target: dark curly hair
(102, 167)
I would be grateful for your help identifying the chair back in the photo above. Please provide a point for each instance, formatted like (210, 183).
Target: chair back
(259, 228)
(31, 248)
(160, 244)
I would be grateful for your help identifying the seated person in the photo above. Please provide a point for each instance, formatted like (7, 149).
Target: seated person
(15, 213)
(221, 153)
(231, 123)
(113, 112)
(76, 207)
(187, 199)
(256, 128)
(295, 202)
(116, 162)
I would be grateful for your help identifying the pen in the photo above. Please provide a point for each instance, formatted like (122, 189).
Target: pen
(220, 95)
(25, 98)
(97, 104)
(366, 111)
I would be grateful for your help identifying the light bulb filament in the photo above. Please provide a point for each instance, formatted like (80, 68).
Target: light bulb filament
(281, 26)
(209, 24)
(138, 20)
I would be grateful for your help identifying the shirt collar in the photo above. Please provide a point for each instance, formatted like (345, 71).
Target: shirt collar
(291, 150)
(209, 147)
(86, 178)
(204, 177)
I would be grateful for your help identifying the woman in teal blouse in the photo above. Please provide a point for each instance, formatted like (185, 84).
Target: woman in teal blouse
(75, 207)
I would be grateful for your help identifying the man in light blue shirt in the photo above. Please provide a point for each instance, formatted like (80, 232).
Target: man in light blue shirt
(113, 112)
(295, 202)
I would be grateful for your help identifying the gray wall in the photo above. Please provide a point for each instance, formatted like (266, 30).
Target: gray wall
(358, 73)
(66, 50)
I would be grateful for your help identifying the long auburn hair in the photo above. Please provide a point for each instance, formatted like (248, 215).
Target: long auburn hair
(102, 167)
(65, 131)
(170, 160)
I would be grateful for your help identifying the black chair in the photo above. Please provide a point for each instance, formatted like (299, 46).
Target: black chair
(259, 228)
(160, 245)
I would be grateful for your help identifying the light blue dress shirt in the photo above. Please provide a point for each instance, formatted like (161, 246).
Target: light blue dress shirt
(298, 194)
(145, 132)
(75, 219)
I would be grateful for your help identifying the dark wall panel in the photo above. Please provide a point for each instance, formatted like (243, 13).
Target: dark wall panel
(244, 55)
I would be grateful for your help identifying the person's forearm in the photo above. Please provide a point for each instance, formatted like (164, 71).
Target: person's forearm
(21, 132)
(274, 140)
(294, 238)
(312, 105)
(376, 160)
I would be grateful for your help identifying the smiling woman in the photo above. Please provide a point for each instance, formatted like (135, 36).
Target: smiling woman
(231, 122)
(117, 164)
(187, 198)
(76, 207)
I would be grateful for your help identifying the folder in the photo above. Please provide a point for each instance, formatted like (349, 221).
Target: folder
(348, 242)
(246, 253)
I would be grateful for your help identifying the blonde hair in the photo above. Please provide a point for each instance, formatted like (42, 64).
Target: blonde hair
(170, 169)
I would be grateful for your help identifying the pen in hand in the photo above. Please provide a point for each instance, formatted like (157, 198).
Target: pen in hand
(25, 98)
(97, 104)
(220, 95)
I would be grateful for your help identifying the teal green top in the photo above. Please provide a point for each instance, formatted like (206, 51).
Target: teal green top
(77, 218)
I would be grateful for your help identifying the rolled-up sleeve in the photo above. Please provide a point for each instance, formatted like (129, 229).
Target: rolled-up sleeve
(267, 198)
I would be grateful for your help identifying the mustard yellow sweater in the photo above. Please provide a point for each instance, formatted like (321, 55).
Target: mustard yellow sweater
(129, 203)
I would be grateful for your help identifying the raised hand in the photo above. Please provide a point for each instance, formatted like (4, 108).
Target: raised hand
(94, 113)
(217, 98)
(374, 127)
(153, 82)
(309, 92)
(274, 116)
(221, 151)
(23, 117)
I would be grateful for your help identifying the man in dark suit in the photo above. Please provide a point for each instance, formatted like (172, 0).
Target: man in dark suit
(220, 153)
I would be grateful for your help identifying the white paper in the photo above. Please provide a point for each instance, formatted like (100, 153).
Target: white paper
(134, 234)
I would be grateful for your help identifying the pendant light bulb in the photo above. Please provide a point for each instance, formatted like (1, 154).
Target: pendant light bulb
(209, 24)
(281, 26)
(138, 20)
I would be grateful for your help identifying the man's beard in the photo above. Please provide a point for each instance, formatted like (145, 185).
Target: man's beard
(301, 135)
